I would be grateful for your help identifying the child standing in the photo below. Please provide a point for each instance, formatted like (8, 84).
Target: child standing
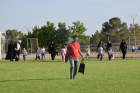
(24, 54)
(42, 51)
(101, 52)
(88, 53)
(37, 54)
(110, 53)
(63, 53)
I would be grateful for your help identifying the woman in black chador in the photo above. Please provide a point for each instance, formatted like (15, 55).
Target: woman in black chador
(10, 51)
(52, 50)
(123, 47)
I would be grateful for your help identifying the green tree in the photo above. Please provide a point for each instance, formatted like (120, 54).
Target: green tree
(24, 41)
(95, 38)
(13, 35)
(77, 28)
(62, 34)
(115, 30)
(46, 34)
(83, 39)
(137, 32)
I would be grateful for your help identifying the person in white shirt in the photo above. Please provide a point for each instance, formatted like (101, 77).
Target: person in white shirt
(42, 51)
(24, 54)
(133, 49)
(16, 51)
(101, 52)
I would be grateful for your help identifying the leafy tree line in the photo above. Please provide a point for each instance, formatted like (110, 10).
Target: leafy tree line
(115, 31)
(48, 33)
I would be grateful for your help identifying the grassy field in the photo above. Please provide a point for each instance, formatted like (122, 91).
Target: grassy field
(115, 76)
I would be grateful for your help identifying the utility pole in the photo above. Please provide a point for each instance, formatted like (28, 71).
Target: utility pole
(28, 30)
(134, 28)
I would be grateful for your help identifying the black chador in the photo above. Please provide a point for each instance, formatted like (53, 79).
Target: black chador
(52, 50)
(123, 47)
(10, 51)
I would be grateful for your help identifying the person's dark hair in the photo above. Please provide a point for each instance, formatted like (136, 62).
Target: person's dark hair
(123, 40)
(42, 46)
(100, 41)
(75, 36)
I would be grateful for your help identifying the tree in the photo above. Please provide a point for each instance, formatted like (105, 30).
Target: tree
(24, 41)
(62, 34)
(115, 30)
(77, 28)
(45, 35)
(137, 32)
(13, 35)
(95, 38)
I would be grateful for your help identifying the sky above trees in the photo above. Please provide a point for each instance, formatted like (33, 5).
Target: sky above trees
(15, 14)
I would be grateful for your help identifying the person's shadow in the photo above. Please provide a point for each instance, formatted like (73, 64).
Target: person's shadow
(34, 79)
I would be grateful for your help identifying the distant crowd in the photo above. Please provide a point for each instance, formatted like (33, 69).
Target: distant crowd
(14, 51)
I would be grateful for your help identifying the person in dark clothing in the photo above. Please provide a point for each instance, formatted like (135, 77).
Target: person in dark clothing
(52, 50)
(109, 44)
(123, 47)
(100, 43)
(109, 50)
(10, 51)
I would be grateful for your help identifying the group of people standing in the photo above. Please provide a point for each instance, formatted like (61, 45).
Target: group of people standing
(100, 50)
(13, 51)
(52, 50)
(109, 50)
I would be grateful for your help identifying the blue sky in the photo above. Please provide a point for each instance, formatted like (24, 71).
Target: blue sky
(15, 14)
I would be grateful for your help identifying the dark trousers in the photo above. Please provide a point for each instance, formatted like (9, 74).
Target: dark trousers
(98, 56)
(15, 55)
(124, 53)
(53, 55)
(11, 56)
(109, 56)
(133, 50)
(37, 57)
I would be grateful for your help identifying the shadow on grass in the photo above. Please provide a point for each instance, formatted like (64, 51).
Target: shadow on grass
(37, 61)
(35, 79)
(51, 61)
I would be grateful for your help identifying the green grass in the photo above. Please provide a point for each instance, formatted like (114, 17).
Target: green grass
(116, 76)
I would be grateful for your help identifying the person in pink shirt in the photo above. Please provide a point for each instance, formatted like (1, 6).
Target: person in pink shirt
(73, 51)
(63, 52)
